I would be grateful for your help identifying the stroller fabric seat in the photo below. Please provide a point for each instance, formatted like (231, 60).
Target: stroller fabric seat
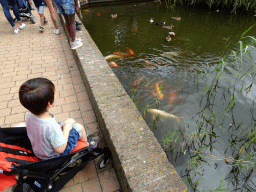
(11, 154)
(18, 159)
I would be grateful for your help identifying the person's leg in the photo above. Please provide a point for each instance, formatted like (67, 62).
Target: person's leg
(69, 15)
(7, 13)
(41, 28)
(72, 26)
(52, 13)
(45, 20)
(42, 19)
(40, 10)
(66, 22)
(16, 13)
(84, 134)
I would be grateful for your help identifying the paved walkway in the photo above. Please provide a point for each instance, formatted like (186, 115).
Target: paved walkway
(31, 54)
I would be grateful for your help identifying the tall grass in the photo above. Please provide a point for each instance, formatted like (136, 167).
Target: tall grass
(200, 144)
(235, 6)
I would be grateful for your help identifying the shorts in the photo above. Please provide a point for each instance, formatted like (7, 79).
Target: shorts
(74, 134)
(40, 9)
(65, 6)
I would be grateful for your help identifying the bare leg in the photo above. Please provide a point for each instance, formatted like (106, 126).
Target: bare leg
(71, 25)
(66, 22)
(52, 13)
(42, 18)
(84, 136)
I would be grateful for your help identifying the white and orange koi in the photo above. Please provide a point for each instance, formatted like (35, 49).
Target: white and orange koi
(111, 57)
(156, 113)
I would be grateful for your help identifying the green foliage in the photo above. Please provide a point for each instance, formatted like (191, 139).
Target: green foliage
(171, 139)
(233, 5)
(199, 144)
(133, 96)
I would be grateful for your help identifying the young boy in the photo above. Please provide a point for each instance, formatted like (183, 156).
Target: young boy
(40, 8)
(48, 138)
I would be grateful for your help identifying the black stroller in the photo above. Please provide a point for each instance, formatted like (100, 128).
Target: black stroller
(34, 175)
(25, 10)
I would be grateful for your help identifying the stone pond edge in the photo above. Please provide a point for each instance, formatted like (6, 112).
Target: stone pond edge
(139, 161)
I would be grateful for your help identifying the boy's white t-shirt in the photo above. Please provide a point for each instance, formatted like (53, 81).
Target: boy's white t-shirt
(44, 135)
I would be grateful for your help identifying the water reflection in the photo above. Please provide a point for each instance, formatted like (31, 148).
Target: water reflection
(170, 80)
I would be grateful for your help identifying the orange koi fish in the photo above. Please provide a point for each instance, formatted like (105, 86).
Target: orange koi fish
(131, 52)
(159, 94)
(172, 97)
(147, 63)
(121, 54)
(138, 81)
(113, 64)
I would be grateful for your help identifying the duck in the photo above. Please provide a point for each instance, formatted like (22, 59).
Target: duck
(160, 23)
(171, 33)
(176, 18)
(113, 16)
(168, 27)
(151, 20)
(168, 38)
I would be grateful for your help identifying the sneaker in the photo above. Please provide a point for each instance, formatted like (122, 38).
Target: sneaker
(77, 23)
(77, 39)
(45, 22)
(22, 26)
(76, 44)
(92, 143)
(41, 28)
(33, 8)
(16, 30)
(78, 28)
(56, 31)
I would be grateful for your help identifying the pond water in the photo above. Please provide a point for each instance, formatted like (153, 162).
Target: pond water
(168, 82)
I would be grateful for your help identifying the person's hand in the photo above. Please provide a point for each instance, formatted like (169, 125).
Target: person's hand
(70, 120)
(77, 9)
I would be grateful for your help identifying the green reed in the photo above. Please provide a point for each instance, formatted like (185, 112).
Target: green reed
(196, 144)
(235, 6)
(133, 97)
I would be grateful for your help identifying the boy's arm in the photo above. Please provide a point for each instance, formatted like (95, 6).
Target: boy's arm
(66, 129)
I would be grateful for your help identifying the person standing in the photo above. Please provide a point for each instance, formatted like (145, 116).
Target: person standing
(40, 8)
(52, 13)
(8, 15)
(67, 9)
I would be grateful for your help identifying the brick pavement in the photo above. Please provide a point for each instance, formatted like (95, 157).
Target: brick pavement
(31, 54)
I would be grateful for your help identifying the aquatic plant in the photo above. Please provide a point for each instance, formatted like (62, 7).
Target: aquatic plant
(133, 96)
(199, 144)
(243, 160)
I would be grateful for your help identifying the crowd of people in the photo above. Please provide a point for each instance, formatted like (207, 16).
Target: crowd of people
(66, 8)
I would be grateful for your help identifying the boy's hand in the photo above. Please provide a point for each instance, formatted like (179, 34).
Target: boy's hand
(67, 127)
(70, 120)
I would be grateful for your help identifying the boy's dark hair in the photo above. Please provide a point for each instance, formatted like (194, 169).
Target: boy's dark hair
(35, 94)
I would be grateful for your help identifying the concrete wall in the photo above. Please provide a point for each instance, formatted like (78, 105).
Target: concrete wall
(139, 160)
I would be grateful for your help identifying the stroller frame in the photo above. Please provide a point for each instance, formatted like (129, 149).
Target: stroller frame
(56, 172)
(25, 10)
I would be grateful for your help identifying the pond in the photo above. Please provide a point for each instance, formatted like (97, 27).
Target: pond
(200, 111)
